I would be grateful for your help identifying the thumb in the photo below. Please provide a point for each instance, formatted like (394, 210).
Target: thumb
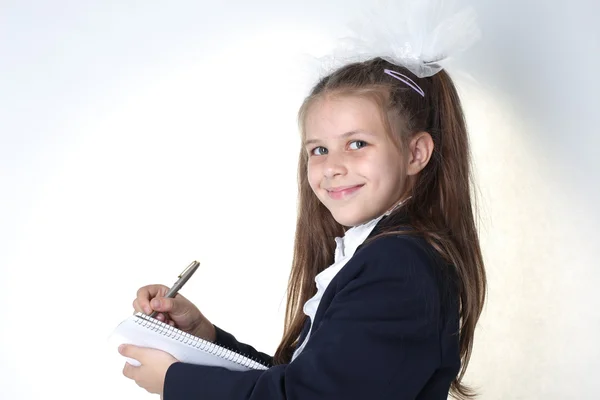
(166, 304)
(131, 351)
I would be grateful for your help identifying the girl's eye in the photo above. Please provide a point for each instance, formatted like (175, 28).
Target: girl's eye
(359, 144)
(318, 151)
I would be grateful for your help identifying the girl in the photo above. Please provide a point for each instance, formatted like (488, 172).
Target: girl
(385, 229)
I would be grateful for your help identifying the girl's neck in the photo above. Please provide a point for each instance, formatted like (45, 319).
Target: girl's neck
(388, 212)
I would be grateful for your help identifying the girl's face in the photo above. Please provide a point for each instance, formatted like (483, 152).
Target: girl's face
(353, 167)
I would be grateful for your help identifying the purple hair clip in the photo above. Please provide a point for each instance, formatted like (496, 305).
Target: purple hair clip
(406, 80)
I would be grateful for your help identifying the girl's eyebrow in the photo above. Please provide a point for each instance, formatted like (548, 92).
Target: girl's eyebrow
(342, 136)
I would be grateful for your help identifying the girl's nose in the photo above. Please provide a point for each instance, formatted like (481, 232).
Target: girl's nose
(334, 165)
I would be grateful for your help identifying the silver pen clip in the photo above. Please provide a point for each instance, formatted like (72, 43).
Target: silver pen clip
(189, 271)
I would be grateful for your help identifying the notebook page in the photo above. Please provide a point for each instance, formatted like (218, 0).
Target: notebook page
(141, 330)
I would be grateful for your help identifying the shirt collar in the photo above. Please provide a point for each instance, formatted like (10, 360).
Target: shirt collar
(347, 245)
(355, 236)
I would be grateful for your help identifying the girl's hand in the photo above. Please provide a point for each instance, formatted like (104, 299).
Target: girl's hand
(178, 311)
(151, 374)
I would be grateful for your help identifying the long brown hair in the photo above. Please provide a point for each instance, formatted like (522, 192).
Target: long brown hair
(439, 207)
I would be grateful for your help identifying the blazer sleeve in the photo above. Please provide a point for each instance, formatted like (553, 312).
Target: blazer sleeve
(379, 333)
(227, 340)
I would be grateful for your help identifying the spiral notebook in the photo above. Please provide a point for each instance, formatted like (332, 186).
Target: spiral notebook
(143, 330)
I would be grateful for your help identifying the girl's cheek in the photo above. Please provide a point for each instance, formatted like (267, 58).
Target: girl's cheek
(312, 175)
(314, 166)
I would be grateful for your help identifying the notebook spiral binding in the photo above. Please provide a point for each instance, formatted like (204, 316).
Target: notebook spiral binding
(204, 345)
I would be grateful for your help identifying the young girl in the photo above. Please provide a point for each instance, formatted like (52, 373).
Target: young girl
(387, 233)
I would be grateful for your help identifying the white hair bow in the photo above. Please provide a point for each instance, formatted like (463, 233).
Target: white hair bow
(417, 34)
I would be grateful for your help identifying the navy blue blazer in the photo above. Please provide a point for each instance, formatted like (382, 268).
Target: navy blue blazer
(386, 328)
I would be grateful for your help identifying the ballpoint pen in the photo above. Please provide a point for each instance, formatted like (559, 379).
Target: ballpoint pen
(183, 278)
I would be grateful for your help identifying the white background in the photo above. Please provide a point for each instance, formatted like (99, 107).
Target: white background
(137, 136)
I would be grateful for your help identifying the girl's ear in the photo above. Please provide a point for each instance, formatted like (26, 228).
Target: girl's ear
(420, 149)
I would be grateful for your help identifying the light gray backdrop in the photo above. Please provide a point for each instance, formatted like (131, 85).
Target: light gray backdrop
(137, 136)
